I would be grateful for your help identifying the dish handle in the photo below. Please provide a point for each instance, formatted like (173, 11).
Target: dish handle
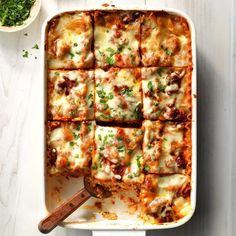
(119, 233)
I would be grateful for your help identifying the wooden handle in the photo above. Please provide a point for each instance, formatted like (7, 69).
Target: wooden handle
(63, 211)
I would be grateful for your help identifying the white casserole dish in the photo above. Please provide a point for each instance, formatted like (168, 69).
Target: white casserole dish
(55, 190)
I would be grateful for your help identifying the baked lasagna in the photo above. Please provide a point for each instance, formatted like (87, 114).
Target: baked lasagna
(70, 147)
(167, 147)
(118, 95)
(69, 41)
(165, 40)
(119, 105)
(165, 198)
(70, 95)
(118, 155)
(117, 38)
(167, 93)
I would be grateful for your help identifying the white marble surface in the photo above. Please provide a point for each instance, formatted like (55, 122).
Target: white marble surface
(21, 180)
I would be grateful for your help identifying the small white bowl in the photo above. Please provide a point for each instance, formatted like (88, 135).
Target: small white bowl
(33, 14)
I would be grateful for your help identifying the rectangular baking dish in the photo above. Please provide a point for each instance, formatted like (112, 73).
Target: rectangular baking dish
(57, 189)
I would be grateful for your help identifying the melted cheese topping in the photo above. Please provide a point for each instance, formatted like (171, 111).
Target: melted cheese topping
(165, 40)
(118, 154)
(71, 95)
(166, 147)
(166, 93)
(118, 95)
(166, 198)
(116, 39)
(70, 147)
(69, 41)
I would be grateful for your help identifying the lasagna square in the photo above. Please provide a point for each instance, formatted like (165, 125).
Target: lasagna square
(165, 198)
(167, 93)
(167, 147)
(165, 40)
(118, 95)
(70, 147)
(69, 42)
(70, 95)
(117, 38)
(118, 155)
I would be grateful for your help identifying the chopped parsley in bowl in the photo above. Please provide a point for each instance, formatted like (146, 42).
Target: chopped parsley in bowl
(17, 14)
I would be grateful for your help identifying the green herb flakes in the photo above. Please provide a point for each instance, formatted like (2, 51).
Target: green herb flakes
(25, 54)
(150, 86)
(138, 111)
(71, 144)
(146, 168)
(110, 60)
(71, 55)
(36, 46)
(161, 87)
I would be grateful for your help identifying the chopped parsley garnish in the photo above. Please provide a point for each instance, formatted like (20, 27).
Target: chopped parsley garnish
(146, 168)
(14, 12)
(130, 176)
(71, 144)
(167, 51)
(94, 167)
(110, 96)
(138, 111)
(103, 101)
(25, 54)
(159, 71)
(105, 107)
(158, 113)
(120, 47)
(89, 127)
(165, 139)
(138, 160)
(110, 60)
(161, 87)
(76, 136)
(36, 46)
(136, 174)
(150, 86)
(121, 149)
(126, 91)
(102, 94)
(90, 96)
(71, 55)
(57, 73)
(75, 44)
(79, 52)
(78, 127)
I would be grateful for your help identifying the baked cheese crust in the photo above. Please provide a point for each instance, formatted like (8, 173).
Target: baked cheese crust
(167, 93)
(118, 155)
(70, 147)
(118, 95)
(165, 40)
(167, 147)
(70, 95)
(117, 38)
(69, 41)
(165, 198)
